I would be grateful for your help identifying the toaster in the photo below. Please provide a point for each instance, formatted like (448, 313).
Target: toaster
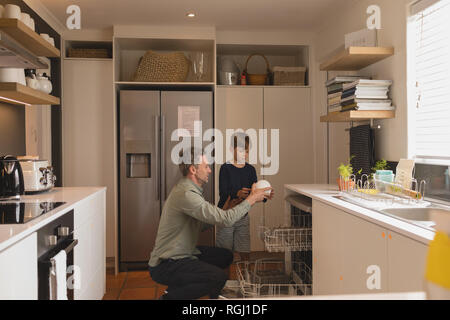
(38, 176)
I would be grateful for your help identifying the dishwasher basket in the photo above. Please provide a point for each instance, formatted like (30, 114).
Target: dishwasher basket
(295, 238)
(267, 278)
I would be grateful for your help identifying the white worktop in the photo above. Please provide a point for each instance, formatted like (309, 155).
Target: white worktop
(10, 234)
(326, 193)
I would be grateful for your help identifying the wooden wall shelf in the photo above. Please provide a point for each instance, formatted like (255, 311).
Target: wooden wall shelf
(356, 58)
(28, 38)
(356, 116)
(15, 93)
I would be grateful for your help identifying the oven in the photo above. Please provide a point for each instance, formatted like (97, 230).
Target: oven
(52, 238)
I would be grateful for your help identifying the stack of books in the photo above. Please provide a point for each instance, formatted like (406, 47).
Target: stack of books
(366, 95)
(335, 88)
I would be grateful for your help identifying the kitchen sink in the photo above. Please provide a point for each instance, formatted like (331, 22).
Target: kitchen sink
(419, 215)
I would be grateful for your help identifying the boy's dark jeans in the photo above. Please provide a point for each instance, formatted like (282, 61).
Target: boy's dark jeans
(189, 279)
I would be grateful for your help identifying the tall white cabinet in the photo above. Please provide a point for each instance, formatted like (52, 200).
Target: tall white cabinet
(286, 109)
(88, 126)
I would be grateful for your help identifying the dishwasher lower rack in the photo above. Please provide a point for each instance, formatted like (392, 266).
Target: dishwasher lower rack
(268, 278)
(287, 239)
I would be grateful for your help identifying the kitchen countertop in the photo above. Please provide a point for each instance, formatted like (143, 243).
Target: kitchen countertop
(10, 234)
(326, 193)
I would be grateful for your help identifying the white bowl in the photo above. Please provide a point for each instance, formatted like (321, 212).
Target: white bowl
(262, 184)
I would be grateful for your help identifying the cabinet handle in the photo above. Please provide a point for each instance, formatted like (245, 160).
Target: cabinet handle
(383, 235)
(390, 236)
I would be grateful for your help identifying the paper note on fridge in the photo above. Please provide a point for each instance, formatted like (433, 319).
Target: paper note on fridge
(187, 116)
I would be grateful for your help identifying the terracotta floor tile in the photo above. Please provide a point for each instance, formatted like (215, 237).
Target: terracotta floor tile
(115, 282)
(138, 274)
(138, 294)
(140, 282)
(111, 294)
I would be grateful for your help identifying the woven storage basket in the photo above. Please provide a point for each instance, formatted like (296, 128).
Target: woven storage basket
(289, 76)
(257, 79)
(88, 53)
(162, 67)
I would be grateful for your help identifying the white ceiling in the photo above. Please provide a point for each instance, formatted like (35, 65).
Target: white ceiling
(304, 15)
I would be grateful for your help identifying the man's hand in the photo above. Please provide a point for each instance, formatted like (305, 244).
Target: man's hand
(230, 204)
(258, 195)
(243, 193)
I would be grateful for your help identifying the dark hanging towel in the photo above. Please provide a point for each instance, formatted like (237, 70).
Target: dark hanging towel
(362, 147)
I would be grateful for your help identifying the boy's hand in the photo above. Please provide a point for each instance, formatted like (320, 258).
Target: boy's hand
(230, 204)
(272, 194)
(243, 193)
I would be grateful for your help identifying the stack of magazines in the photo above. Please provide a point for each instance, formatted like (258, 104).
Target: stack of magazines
(335, 88)
(366, 95)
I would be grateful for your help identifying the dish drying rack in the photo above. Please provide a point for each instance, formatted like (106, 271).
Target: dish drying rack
(382, 191)
(271, 278)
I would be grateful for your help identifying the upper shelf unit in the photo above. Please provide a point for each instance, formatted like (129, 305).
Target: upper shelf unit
(356, 58)
(29, 39)
(277, 55)
(129, 51)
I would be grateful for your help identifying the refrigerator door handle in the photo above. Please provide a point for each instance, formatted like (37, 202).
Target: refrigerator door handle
(163, 161)
(157, 156)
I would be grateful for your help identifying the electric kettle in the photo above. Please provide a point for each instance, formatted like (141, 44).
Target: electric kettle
(11, 178)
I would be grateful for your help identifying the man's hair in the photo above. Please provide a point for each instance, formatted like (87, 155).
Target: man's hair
(240, 140)
(190, 157)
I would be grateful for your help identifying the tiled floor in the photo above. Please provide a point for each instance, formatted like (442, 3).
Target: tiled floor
(138, 285)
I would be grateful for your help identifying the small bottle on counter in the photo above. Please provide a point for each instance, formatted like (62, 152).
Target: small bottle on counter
(243, 80)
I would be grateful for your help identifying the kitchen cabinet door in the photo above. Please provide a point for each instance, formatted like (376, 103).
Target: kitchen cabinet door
(19, 271)
(407, 260)
(327, 249)
(89, 142)
(89, 254)
(241, 108)
(364, 256)
(289, 111)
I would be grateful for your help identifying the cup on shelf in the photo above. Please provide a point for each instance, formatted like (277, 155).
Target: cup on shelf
(2, 11)
(12, 12)
(21, 77)
(32, 24)
(25, 18)
(33, 83)
(52, 41)
(9, 75)
(45, 36)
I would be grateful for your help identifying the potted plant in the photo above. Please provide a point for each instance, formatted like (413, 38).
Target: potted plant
(345, 172)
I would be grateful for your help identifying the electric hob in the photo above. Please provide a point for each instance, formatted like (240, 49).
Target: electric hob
(23, 212)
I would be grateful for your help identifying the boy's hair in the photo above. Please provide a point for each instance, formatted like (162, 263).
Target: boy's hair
(240, 140)
(190, 157)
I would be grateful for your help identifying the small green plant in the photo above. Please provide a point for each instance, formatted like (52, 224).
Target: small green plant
(380, 165)
(345, 171)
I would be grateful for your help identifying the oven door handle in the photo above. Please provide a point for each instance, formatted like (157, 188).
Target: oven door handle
(71, 246)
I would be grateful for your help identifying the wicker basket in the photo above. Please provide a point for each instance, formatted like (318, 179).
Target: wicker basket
(162, 67)
(257, 79)
(289, 76)
(88, 53)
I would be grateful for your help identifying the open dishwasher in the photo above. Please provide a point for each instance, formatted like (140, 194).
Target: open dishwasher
(282, 278)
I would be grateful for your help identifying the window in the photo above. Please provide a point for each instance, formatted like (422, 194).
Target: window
(429, 81)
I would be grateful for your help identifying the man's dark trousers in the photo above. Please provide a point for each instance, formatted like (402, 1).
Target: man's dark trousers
(189, 279)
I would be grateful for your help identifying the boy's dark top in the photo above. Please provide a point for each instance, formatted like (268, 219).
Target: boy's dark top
(233, 179)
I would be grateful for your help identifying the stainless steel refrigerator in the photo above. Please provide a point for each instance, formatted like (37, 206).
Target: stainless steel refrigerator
(147, 173)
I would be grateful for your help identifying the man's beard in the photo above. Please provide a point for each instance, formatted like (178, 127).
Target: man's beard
(201, 180)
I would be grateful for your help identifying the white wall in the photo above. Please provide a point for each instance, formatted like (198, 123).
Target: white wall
(391, 140)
